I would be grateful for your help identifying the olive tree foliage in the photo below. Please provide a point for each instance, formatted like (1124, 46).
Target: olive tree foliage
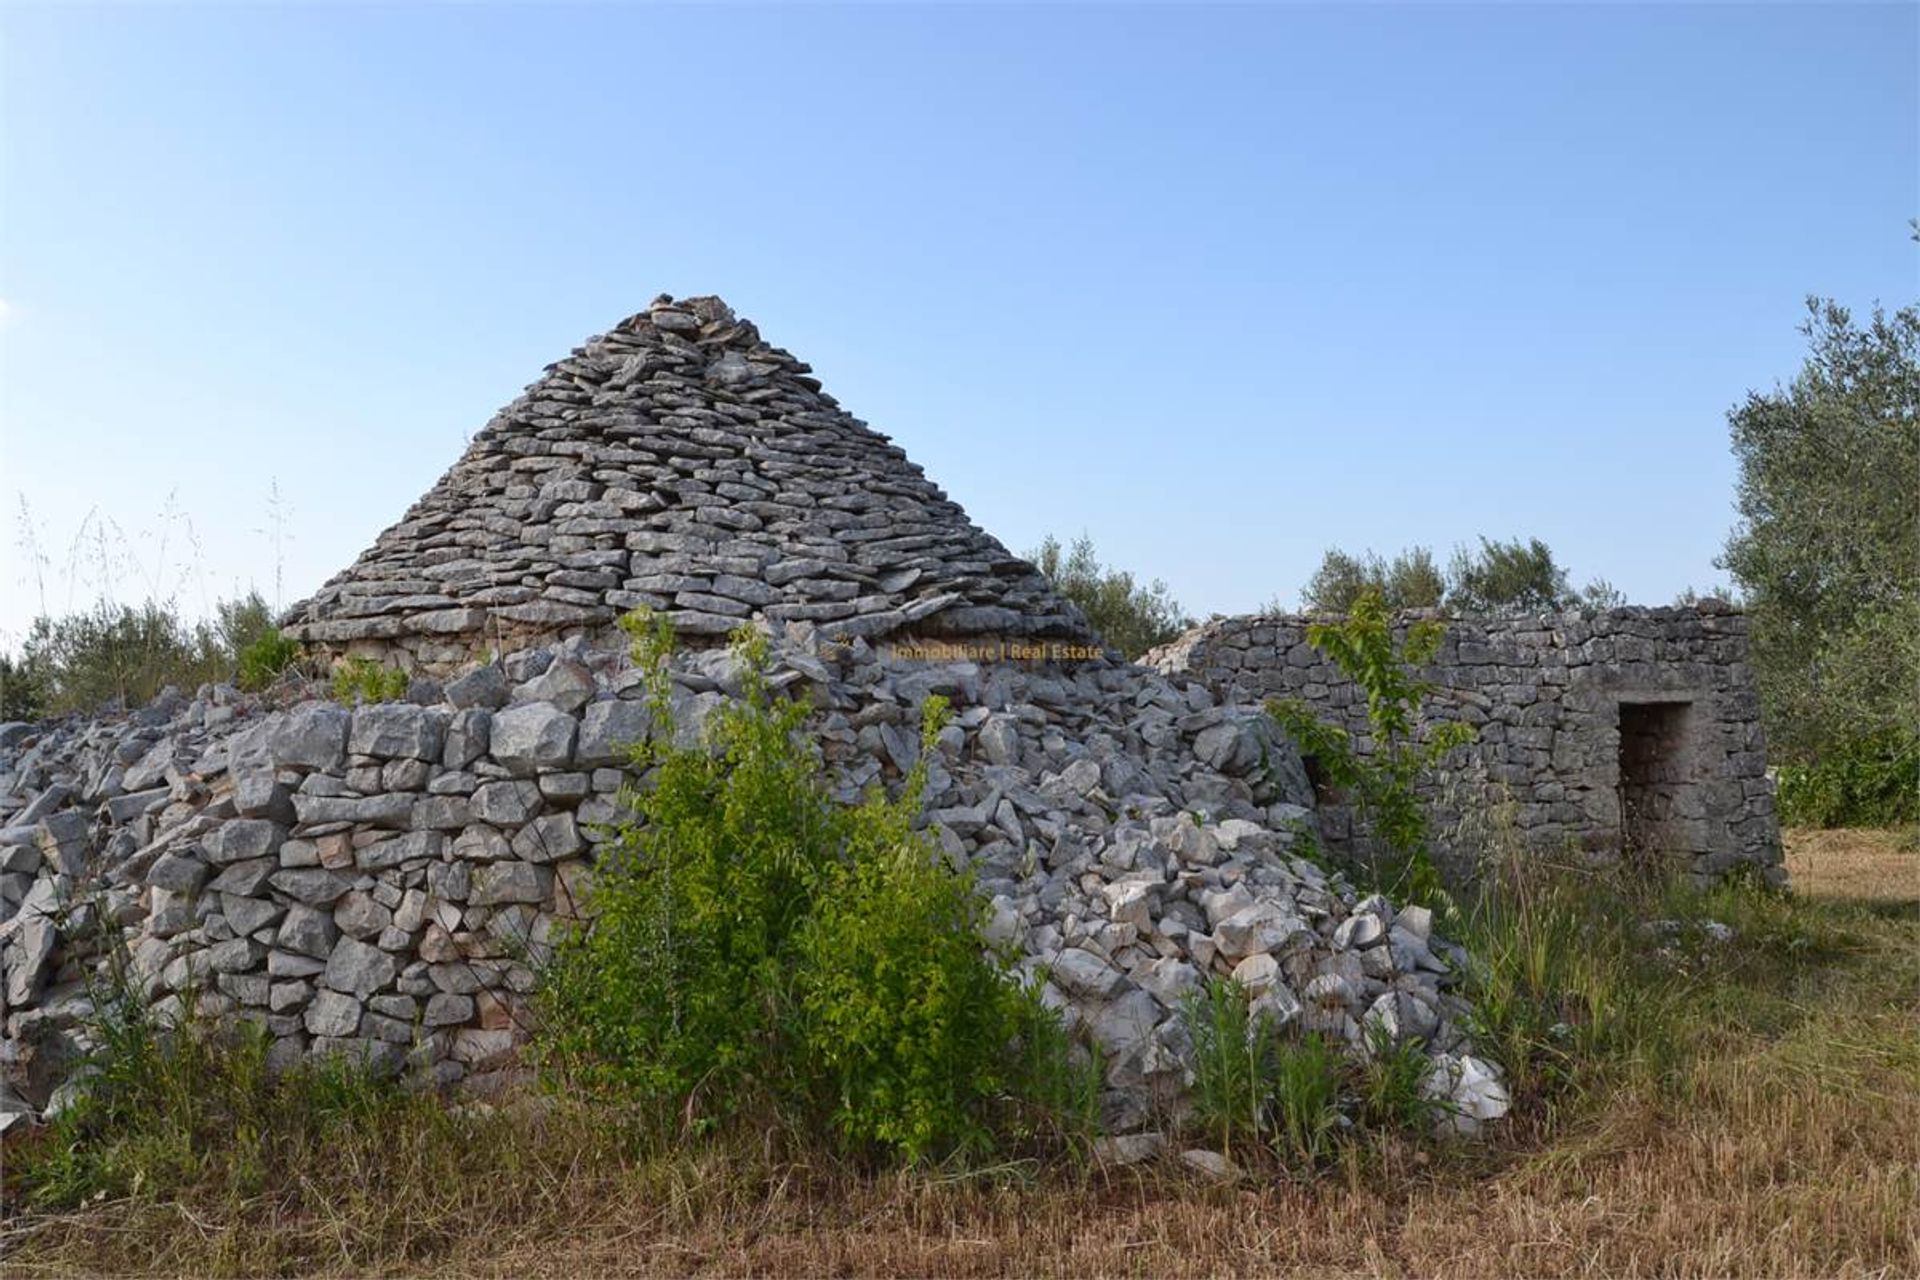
(1507, 577)
(1411, 580)
(1130, 616)
(1498, 577)
(1827, 549)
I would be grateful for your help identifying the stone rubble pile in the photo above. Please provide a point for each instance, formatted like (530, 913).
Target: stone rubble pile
(382, 881)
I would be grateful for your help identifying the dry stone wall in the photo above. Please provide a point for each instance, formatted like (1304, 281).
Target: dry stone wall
(1629, 731)
(680, 463)
(383, 881)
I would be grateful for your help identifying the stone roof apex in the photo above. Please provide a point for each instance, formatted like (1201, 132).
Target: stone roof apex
(679, 462)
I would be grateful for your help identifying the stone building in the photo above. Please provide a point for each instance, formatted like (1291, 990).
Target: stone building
(681, 463)
(384, 880)
(1630, 732)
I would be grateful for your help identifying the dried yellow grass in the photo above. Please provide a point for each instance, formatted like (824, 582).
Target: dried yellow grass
(1854, 864)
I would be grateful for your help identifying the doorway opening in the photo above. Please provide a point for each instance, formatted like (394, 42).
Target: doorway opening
(1656, 781)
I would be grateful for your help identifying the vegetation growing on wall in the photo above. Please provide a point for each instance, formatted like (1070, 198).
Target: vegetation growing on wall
(1381, 782)
(361, 679)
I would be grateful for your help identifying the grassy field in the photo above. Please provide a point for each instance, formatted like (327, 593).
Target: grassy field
(1779, 1136)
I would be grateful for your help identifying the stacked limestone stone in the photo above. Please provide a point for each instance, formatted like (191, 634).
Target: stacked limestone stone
(681, 463)
(1544, 696)
(383, 880)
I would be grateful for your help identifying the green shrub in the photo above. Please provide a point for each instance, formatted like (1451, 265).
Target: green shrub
(264, 659)
(1410, 581)
(1550, 966)
(242, 621)
(159, 1110)
(1869, 782)
(363, 679)
(1132, 617)
(1383, 783)
(755, 948)
(1257, 1084)
(122, 653)
(128, 653)
(23, 694)
(1308, 1081)
(1391, 1085)
(1234, 1052)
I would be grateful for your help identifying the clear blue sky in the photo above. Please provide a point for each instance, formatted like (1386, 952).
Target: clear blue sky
(1217, 286)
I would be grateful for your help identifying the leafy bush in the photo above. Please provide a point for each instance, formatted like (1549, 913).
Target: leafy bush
(1392, 1085)
(363, 679)
(155, 1103)
(756, 947)
(1382, 783)
(1869, 781)
(1234, 1058)
(1827, 552)
(1131, 617)
(122, 653)
(1411, 581)
(1294, 1093)
(1507, 577)
(1500, 577)
(265, 658)
(1306, 1097)
(128, 654)
(242, 621)
(22, 692)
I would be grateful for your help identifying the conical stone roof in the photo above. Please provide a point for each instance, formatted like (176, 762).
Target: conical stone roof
(678, 462)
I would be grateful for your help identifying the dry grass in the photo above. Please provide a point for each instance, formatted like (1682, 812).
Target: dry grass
(1781, 1141)
(1856, 865)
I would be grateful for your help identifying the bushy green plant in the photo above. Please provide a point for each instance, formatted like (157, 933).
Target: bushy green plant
(129, 653)
(1827, 552)
(121, 653)
(363, 679)
(264, 658)
(242, 621)
(755, 946)
(1501, 577)
(1410, 581)
(1234, 1052)
(1869, 781)
(159, 1108)
(1256, 1084)
(1391, 1084)
(1133, 617)
(1507, 577)
(1383, 782)
(1309, 1072)
(23, 694)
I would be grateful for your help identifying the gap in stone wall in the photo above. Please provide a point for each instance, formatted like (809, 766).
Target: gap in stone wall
(1657, 783)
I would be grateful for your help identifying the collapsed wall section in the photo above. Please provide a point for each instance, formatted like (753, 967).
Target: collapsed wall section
(1625, 733)
(383, 881)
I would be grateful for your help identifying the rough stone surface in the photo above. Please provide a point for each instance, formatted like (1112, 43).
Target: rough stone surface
(681, 462)
(378, 882)
(534, 737)
(1626, 732)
